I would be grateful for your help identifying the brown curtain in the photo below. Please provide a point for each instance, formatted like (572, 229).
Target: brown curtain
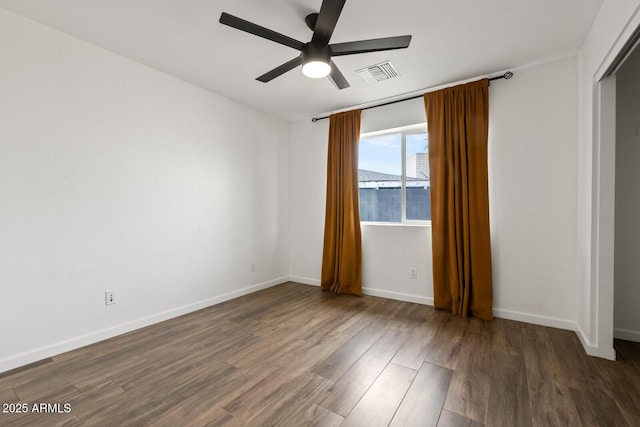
(342, 253)
(457, 121)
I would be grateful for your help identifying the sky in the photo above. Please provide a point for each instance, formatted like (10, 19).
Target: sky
(383, 153)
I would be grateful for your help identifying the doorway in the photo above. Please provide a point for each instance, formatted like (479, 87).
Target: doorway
(603, 193)
(626, 321)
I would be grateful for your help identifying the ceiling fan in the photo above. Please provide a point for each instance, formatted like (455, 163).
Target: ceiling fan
(315, 56)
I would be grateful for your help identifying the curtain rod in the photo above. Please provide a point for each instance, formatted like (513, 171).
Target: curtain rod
(505, 76)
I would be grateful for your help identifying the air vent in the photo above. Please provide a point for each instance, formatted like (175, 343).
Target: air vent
(379, 72)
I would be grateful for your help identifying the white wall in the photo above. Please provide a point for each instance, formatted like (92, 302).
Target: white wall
(307, 191)
(389, 252)
(627, 201)
(532, 190)
(616, 21)
(114, 176)
(532, 143)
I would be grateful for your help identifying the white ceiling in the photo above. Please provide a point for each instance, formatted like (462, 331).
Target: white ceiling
(452, 40)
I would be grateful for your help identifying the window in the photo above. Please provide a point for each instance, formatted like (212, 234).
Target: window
(393, 169)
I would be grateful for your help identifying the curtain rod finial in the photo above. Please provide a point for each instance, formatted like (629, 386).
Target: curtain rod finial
(508, 75)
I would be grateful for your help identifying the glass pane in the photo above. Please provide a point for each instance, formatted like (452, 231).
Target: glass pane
(379, 169)
(418, 184)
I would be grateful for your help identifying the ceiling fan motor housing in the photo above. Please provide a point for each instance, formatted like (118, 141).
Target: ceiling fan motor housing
(315, 52)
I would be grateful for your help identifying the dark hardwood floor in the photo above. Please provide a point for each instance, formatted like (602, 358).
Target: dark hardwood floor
(292, 355)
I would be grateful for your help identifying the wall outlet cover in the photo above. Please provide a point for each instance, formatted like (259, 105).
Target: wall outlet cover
(109, 297)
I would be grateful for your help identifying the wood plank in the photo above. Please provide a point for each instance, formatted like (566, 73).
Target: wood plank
(7, 395)
(469, 391)
(445, 345)
(623, 373)
(577, 368)
(310, 414)
(451, 419)
(509, 394)
(92, 400)
(26, 368)
(537, 336)
(45, 389)
(359, 320)
(414, 350)
(204, 400)
(278, 406)
(479, 326)
(628, 352)
(343, 395)
(626, 393)
(261, 349)
(423, 402)
(506, 336)
(380, 402)
(305, 354)
(90, 352)
(544, 414)
(551, 404)
(215, 417)
(595, 408)
(336, 364)
(247, 405)
(154, 399)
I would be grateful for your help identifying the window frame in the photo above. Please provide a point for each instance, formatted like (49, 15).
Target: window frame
(404, 131)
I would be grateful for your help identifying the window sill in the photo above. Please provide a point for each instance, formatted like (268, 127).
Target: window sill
(395, 224)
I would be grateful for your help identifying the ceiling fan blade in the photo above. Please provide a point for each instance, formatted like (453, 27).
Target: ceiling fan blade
(255, 29)
(373, 45)
(337, 78)
(327, 20)
(278, 71)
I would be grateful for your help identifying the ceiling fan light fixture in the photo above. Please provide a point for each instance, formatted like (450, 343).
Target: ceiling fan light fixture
(316, 69)
(316, 60)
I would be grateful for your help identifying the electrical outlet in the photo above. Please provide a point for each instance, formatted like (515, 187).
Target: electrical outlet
(253, 266)
(414, 273)
(109, 297)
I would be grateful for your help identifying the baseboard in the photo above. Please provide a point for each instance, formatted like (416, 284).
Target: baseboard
(399, 296)
(305, 280)
(592, 349)
(626, 334)
(535, 319)
(50, 350)
(372, 292)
